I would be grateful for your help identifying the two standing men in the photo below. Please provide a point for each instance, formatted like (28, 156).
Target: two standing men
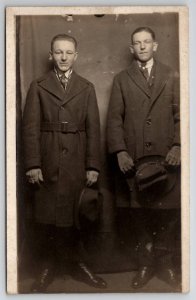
(61, 142)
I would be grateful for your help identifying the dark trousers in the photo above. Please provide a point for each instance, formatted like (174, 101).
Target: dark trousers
(58, 245)
(155, 232)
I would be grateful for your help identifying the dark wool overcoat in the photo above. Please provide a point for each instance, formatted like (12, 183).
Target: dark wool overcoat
(61, 133)
(145, 121)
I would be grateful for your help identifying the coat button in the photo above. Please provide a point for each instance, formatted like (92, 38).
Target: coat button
(148, 122)
(65, 150)
(148, 145)
(62, 108)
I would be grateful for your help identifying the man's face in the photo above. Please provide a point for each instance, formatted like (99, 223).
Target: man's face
(143, 46)
(63, 55)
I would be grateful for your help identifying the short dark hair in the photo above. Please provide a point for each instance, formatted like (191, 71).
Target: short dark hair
(140, 29)
(64, 36)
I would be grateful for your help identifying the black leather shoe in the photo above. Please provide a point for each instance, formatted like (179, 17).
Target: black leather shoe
(84, 274)
(143, 276)
(42, 282)
(168, 275)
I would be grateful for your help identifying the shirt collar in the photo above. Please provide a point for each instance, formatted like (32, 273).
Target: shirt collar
(149, 63)
(67, 73)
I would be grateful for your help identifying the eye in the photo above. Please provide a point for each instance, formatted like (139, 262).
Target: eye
(57, 52)
(148, 41)
(70, 52)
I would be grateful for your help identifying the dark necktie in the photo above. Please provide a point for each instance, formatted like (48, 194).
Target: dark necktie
(144, 70)
(64, 81)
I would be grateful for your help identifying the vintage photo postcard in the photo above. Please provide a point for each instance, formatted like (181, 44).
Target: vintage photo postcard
(97, 145)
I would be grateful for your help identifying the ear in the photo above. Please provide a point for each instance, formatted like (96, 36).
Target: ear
(155, 46)
(50, 56)
(131, 49)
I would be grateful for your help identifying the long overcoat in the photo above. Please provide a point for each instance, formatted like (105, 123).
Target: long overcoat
(61, 133)
(145, 121)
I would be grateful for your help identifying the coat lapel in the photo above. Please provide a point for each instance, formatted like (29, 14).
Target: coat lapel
(161, 77)
(74, 87)
(51, 84)
(136, 75)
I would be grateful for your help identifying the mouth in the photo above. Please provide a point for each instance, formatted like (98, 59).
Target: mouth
(143, 53)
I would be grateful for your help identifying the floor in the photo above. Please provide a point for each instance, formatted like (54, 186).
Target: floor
(117, 282)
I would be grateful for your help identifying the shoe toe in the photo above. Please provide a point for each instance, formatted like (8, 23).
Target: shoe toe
(86, 275)
(101, 283)
(40, 285)
(168, 275)
(142, 277)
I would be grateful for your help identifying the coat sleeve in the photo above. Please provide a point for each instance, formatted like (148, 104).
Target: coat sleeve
(115, 127)
(92, 132)
(176, 109)
(31, 129)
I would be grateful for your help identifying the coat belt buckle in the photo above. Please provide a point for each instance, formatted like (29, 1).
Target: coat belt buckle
(64, 126)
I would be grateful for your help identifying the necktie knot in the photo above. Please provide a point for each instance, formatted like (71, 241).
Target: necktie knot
(144, 70)
(143, 65)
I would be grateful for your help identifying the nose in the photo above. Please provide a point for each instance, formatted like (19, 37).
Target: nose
(64, 56)
(142, 45)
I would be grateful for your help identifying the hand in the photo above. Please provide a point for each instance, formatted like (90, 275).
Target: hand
(173, 156)
(91, 177)
(125, 161)
(35, 176)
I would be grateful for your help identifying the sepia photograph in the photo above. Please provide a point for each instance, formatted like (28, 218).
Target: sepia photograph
(97, 150)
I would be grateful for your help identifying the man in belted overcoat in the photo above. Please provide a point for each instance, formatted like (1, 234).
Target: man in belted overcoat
(143, 134)
(61, 133)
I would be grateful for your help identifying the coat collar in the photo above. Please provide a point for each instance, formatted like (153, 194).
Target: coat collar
(51, 84)
(161, 76)
(138, 78)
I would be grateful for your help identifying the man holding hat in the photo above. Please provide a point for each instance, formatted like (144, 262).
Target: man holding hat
(61, 134)
(143, 133)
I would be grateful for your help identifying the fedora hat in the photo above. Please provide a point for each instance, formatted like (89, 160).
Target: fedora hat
(88, 206)
(153, 175)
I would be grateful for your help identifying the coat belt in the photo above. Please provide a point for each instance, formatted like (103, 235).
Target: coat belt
(65, 127)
